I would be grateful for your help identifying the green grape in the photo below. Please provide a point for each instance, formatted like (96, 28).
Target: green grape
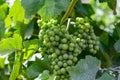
(56, 67)
(70, 56)
(75, 59)
(60, 58)
(63, 70)
(64, 40)
(64, 64)
(65, 56)
(69, 62)
(64, 46)
(60, 63)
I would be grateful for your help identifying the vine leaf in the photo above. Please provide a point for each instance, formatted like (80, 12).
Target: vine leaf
(2, 29)
(117, 46)
(32, 6)
(16, 14)
(37, 67)
(52, 8)
(9, 45)
(85, 69)
(31, 47)
(112, 5)
(45, 76)
(106, 76)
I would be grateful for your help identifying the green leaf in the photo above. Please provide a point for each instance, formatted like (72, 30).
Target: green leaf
(30, 29)
(30, 47)
(2, 29)
(117, 46)
(85, 69)
(9, 45)
(52, 8)
(3, 11)
(37, 67)
(16, 14)
(45, 76)
(2, 60)
(84, 9)
(106, 76)
(81, 8)
(112, 4)
(32, 6)
(116, 33)
(2, 1)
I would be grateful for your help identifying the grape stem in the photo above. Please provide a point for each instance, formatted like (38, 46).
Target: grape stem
(68, 23)
(69, 10)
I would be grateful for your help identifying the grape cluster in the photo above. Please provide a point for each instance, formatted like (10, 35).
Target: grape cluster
(63, 47)
(86, 34)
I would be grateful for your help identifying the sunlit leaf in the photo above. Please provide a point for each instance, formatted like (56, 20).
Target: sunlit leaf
(16, 13)
(31, 47)
(9, 45)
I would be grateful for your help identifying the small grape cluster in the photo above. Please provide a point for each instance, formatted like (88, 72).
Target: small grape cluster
(86, 33)
(64, 47)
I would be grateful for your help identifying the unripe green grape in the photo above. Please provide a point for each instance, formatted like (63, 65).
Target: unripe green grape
(76, 50)
(90, 45)
(49, 56)
(64, 64)
(71, 48)
(57, 38)
(90, 41)
(71, 56)
(51, 33)
(72, 45)
(57, 51)
(60, 63)
(53, 63)
(64, 46)
(53, 43)
(96, 47)
(78, 40)
(91, 50)
(54, 55)
(56, 67)
(60, 58)
(75, 59)
(79, 20)
(67, 36)
(56, 60)
(51, 38)
(63, 70)
(64, 40)
(62, 76)
(45, 42)
(51, 50)
(69, 62)
(65, 56)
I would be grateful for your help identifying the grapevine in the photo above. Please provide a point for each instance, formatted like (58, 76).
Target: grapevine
(64, 46)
